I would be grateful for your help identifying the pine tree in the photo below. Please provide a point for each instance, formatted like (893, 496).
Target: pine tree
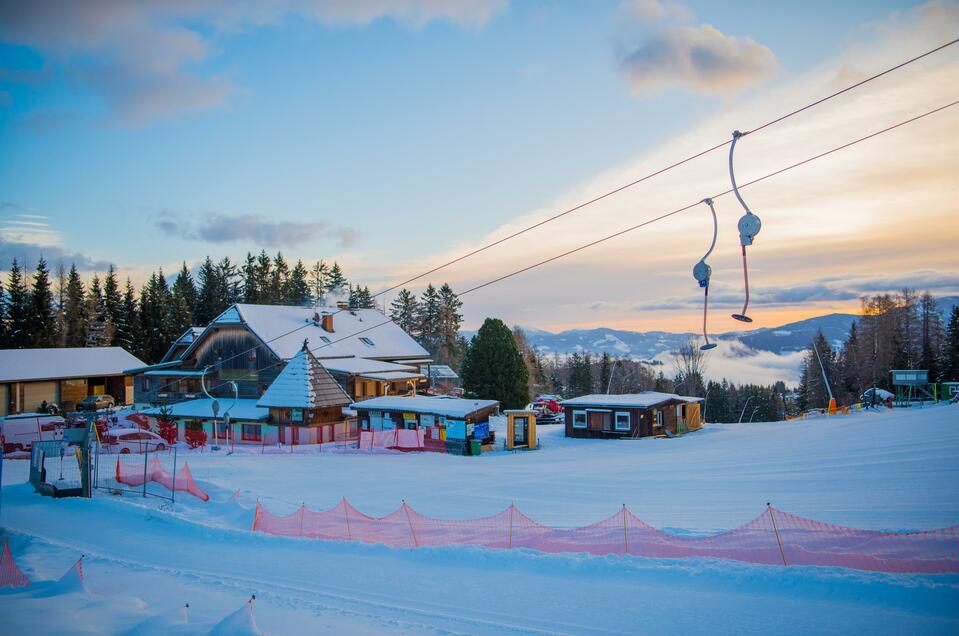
(930, 335)
(112, 297)
(335, 283)
(448, 323)
(99, 326)
(18, 309)
(363, 298)
(43, 329)
(59, 305)
(208, 301)
(127, 333)
(4, 332)
(155, 301)
(319, 275)
(949, 356)
(493, 367)
(404, 311)
(184, 288)
(605, 371)
(74, 312)
(278, 279)
(249, 274)
(428, 327)
(296, 291)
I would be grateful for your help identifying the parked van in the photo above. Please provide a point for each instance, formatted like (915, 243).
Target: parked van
(19, 432)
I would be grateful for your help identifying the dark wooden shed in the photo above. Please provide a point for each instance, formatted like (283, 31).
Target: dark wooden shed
(631, 415)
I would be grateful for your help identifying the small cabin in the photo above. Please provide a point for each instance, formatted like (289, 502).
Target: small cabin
(631, 415)
(422, 422)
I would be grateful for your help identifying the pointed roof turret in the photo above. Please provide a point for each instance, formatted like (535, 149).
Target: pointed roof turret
(304, 384)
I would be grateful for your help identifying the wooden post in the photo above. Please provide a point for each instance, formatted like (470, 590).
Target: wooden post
(346, 513)
(782, 552)
(512, 507)
(256, 514)
(302, 510)
(625, 531)
(406, 509)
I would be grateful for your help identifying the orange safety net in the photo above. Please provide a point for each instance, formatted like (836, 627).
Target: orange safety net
(10, 574)
(136, 476)
(773, 538)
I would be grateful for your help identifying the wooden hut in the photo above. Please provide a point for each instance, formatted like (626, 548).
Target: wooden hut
(306, 403)
(631, 415)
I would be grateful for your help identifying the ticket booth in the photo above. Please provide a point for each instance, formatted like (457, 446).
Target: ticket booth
(520, 430)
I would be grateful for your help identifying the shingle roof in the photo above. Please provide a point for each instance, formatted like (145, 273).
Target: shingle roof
(19, 365)
(304, 384)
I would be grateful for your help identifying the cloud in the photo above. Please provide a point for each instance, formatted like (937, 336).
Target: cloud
(27, 255)
(142, 58)
(227, 228)
(662, 51)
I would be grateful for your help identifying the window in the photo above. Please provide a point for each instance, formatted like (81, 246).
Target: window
(251, 433)
(622, 421)
(659, 418)
(579, 419)
(367, 342)
(325, 339)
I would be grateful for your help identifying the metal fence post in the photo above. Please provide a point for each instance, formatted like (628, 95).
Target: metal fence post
(625, 531)
(144, 475)
(406, 509)
(173, 491)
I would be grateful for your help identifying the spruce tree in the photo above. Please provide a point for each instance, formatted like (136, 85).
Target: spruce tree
(493, 367)
(4, 332)
(605, 371)
(127, 333)
(949, 356)
(74, 311)
(264, 274)
(296, 291)
(278, 280)
(184, 290)
(448, 326)
(99, 327)
(249, 273)
(335, 283)
(428, 327)
(208, 301)
(112, 296)
(43, 327)
(59, 305)
(404, 311)
(18, 309)
(319, 275)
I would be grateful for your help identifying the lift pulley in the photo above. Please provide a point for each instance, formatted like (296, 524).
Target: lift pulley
(702, 272)
(749, 226)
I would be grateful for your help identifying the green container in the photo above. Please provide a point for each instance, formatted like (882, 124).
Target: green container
(476, 447)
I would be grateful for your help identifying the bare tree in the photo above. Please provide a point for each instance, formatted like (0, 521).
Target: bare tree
(690, 364)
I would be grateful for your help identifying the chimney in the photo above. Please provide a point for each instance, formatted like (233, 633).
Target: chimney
(328, 322)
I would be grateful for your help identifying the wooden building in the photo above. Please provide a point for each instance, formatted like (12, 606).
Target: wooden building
(63, 376)
(631, 415)
(305, 402)
(250, 345)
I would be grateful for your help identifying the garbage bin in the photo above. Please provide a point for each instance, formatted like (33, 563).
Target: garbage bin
(476, 447)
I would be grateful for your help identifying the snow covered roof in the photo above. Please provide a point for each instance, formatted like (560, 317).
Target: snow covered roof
(181, 343)
(244, 409)
(392, 376)
(305, 384)
(451, 407)
(628, 400)
(442, 372)
(356, 366)
(20, 365)
(361, 333)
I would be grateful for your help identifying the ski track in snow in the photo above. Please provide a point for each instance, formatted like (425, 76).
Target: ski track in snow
(884, 470)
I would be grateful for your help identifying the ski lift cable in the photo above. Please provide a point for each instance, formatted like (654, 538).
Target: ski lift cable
(676, 164)
(624, 187)
(661, 217)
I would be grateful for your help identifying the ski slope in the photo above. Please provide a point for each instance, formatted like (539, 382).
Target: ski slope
(888, 471)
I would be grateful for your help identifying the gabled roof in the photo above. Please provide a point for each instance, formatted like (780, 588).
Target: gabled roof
(450, 407)
(359, 333)
(305, 384)
(20, 365)
(357, 366)
(244, 409)
(180, 344)
(629, 400)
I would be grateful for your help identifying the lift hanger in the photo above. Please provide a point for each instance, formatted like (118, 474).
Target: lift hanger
(749, 226)
(702, 271)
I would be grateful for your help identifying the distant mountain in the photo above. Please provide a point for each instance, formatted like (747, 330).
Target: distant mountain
(646, 345)
(796, 335)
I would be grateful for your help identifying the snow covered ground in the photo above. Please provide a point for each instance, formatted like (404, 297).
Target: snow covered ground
(889, 471)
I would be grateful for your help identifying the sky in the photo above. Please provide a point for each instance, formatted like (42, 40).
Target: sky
(392, 136)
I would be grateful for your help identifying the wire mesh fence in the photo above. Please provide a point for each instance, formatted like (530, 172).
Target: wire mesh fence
(773, 538)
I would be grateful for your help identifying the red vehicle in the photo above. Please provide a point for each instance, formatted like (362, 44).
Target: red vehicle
(21, 431)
